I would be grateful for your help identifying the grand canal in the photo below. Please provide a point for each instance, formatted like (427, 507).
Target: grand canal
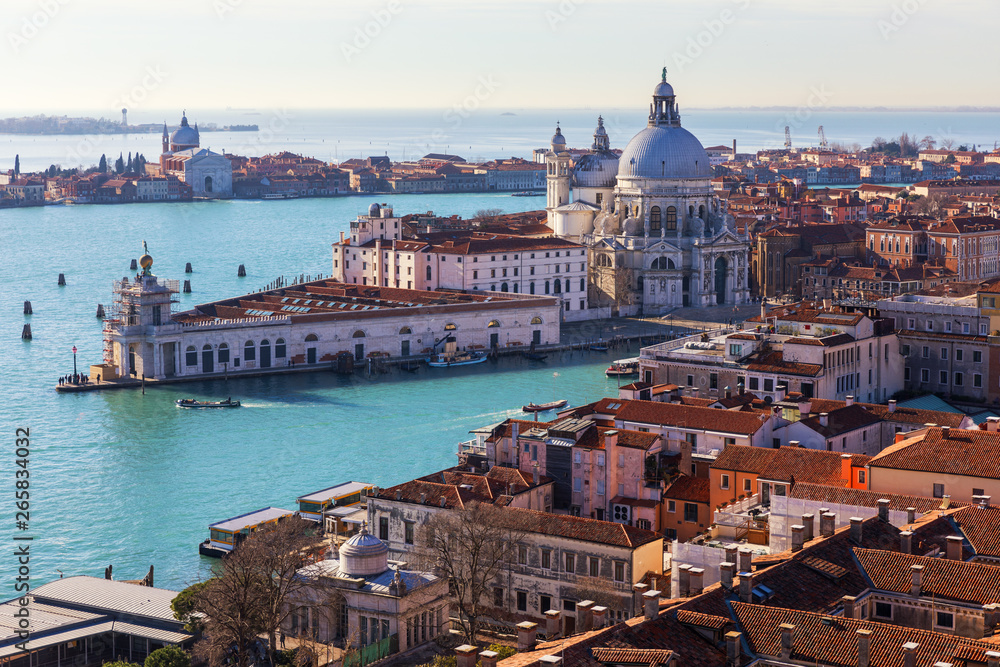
(128, 479)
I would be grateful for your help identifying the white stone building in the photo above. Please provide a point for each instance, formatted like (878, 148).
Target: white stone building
(658, 236)
(209, 174)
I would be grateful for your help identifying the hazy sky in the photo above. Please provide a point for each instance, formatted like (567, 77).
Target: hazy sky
(100, 55)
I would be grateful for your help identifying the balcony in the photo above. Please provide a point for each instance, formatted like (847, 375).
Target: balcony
(472, 447)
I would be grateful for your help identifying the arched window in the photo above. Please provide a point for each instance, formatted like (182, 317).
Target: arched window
(311, 338)
(566, 288)
(450, 327)
(536, 320)
(531, 288)
(603, 260)
(405, 331)
(191, 356)
(701, 211)
(358, 334)
(640, 283)
(249, 351)
(503, 287)
(279, 348)
(671, 217)
(690, 211)
(558, 286)
(670, 264)
(493, 324)
(223, 353)
(583, 284)
(547, 287)
(428, 273)
(208, 184)
(654, 219)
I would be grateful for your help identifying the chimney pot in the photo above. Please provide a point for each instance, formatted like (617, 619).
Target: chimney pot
(696, 581)
(883, 510)
(911, 514)
(727, 570)
(857, 530)
(945, 432)
(683, 580)
(848, 602)
(651, 600)
(827, 524)
(849, 401)
(916, 574)
(639, 590)
(585, 615)
(465, 655)
(906, 542)
(746, 587)
(993, 659)
(787, 629)
(526, 633)
(746, 560)
(892, 406)
(824, 419)
(488, 658)
(910, 654)
(793, 443)
(731, 550)
(864, 647)
(797, 537)
(734, 642)
(808, 523)
(552, 625)
(954, 549)
(599, 615)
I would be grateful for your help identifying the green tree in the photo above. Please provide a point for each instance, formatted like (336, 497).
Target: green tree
(120, 164)
(121, 663)
(185, 609)
(168, 656)
(128, 165)
(102, 166)
(17, 165)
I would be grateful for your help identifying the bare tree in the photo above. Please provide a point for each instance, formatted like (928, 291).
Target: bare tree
(932, 205)
(473, 547)
(624, 285)
(487, 216)
(927, 143)
(948, 143)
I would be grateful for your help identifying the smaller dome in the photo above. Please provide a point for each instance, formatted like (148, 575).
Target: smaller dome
(364, 555)
(558, 139)
(663, 89)
(596, 170)
(374, 210)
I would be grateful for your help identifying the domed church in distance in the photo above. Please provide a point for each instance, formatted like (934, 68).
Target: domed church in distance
(657, 235)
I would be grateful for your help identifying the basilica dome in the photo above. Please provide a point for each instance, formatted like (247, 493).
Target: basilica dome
(599, 167)
(664, 151)
(185, 135)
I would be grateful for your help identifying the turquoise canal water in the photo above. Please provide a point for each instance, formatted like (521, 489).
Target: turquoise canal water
(127, 479)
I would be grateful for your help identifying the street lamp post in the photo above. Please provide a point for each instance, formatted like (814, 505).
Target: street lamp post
(74, 360)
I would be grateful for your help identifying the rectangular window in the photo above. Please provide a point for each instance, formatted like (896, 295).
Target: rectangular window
(944, 619)
(522, 601)
(730, 441)
(939, 490)
(977, 357)
(408, 532)
(671, 506)
(944, 353)
(619, 571)
(883, 610)
(691, 512)
(577, 485)
(713, 380)
(925, 352)
(497, 596)
(754, 384)
(768, 384)
(383, 528)
(942, 377)
(690, 380)
(522, 554)
(544, 603)
(595, 567)
(959, 379)
(977, 380)
(725, 482)
(570, 562)
(925, 375)
(959, 354)
(546, 559)
(747, 485)
(904, 350)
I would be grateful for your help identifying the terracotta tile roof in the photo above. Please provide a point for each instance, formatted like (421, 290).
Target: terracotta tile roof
(861, 497)
(833, 640)
(941, 335)
(981, 527)
(688, 617)
(844, 420)
(970, 453)
(787, 464)
(694, 489)
(579, 528)
(775, 363)
(671, 414)
(632, 656)
(904, 415)
(942, 578)
(631, 439)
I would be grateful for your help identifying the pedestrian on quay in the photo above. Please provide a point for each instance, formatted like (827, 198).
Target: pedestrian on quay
(281, 638)
(98, 378)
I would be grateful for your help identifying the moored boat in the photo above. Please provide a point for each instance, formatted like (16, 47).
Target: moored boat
(543, 407)
(535, 356)
(598, 347)
(192, 403)
(224, 536)
(449, 359)
(623, 367)
(527, 193)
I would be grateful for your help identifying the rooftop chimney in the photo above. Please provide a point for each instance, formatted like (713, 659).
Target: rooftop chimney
(526, 631)
(550, 660)
(824, 419)
(827, 524)
(584, 615)
(488, 658)
(781, 392)
(731, 550)
(945, 432)
(729, 394)
(906, 542)
(911, 514)
(848, 602)
(993, 424)
(697, 579)
(846, 460)
(423, 498)
(600, 615)
(786, 639)
(746, 560)
(892, 405)
(797, 537)
(805, 407)
(734, 645)
(864, 647)
(993, 659)
(640, 590)
(683, 580)
(916, 574)
(849, 401)
(399, 494)
(746, 587)
(465, 655)
(857, 530)
(534, 477)
(910, 654)
(883, 510)
(954, 551)
(552, 624)
(727, 570)
(651, 604)
(808, 523)
(794, 443)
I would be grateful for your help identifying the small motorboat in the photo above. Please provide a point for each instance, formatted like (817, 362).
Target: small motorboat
(599, 347)
(192, 403)
(623, 367)
(449, 359)
(535, 356)
(527, 193)
(543, 407)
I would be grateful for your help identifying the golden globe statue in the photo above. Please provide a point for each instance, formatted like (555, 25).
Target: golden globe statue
(146, 261)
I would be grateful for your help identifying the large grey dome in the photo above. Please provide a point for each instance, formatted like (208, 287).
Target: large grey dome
(364, 555)
(185, 135)
(596, 170)
(664, 151)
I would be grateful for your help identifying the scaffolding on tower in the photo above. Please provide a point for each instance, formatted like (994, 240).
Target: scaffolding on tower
(137, 303)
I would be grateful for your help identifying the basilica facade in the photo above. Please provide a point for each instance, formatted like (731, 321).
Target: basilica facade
(657, 235)
(209, 174)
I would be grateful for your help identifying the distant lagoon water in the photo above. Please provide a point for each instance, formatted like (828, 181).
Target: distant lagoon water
(334, 136)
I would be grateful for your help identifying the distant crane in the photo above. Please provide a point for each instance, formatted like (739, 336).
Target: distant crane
(823, 145)
(788, 138)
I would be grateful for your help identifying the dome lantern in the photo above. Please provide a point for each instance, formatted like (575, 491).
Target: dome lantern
(663, 110)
